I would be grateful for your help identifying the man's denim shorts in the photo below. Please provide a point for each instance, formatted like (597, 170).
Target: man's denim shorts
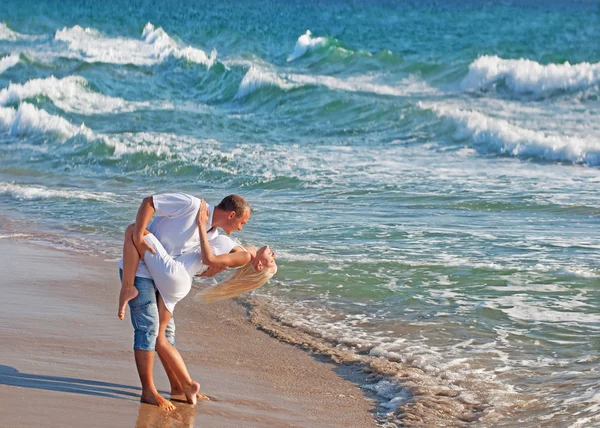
(144, 315)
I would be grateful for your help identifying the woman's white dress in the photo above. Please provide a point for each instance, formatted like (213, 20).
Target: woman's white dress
(173, 275)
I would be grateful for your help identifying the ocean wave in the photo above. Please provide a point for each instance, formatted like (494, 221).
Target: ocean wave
(155, 47)
(27, 192)
(527, 76)
(257, 78)
(332, 51)
(505, 138)
(29, 120)
(71, 94)
(305, 43)
(8, 62)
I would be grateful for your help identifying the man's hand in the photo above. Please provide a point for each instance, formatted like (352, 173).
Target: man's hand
(212, 271)
(203, 213)
(142, 246)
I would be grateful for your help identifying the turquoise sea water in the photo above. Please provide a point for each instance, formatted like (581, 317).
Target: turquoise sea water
(427, 172)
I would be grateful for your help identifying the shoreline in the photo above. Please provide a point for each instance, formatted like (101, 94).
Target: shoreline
(67, 358)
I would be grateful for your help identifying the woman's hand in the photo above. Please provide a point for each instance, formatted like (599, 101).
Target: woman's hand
(203, 213)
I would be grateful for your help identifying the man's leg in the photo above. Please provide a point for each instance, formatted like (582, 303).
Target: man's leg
(144, 317)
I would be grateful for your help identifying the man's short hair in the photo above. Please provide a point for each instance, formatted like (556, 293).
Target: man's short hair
(235, 203)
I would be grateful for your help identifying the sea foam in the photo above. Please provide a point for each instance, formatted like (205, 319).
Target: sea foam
(155, 47)
(526, 76)
(503, 137)
(71, 94)
(8, 62)
(305, 43)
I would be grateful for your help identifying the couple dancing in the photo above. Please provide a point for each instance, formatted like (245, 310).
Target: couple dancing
(157, 269)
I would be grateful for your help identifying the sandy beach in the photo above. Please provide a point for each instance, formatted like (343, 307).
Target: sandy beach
(66, 360)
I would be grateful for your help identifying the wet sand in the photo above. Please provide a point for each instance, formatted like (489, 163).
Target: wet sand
(66, 360)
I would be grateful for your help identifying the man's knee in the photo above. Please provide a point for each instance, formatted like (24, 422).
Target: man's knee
(145, 340)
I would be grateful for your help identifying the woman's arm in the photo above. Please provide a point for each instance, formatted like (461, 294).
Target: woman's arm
(233, 259)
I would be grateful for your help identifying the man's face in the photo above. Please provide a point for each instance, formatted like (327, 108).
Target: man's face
(265, 258)
(235, 222)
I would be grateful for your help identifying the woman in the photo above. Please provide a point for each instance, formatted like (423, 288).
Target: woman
(247, 277)
(173, 279)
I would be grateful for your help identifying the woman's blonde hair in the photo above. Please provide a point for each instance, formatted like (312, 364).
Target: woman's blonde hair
(244, 279)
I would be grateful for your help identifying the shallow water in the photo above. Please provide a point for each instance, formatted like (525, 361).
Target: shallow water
(427, 175)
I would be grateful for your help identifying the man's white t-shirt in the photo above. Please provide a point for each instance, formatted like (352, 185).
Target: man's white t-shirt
(176, 226)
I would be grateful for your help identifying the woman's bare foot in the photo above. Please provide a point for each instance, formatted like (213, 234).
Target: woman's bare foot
(191, 392)
(127, 293)
(157, 400)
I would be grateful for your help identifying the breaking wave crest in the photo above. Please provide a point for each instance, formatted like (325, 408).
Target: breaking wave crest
(332, 50)
(500, 136)
(526, 76)
(8, 62)
(155, 47)
(305, 43)
(71, 94)
(28, 120)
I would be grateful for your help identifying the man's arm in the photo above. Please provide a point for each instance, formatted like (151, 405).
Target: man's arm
(143, 217)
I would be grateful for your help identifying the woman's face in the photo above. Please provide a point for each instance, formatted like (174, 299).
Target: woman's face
(264, 258)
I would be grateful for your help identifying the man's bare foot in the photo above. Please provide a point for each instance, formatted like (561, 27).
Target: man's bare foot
(191, 392)
(127, 293)
(157, 400)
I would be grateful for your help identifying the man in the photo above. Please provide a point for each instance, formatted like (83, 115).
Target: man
(176, 228)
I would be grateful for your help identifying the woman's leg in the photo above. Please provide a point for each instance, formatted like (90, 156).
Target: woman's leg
(131, 259)
(171, 356)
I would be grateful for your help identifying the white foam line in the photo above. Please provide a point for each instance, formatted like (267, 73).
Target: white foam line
(22, 192)
(520, 307)
(523, 75)
(14, 235)
(257, 78)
